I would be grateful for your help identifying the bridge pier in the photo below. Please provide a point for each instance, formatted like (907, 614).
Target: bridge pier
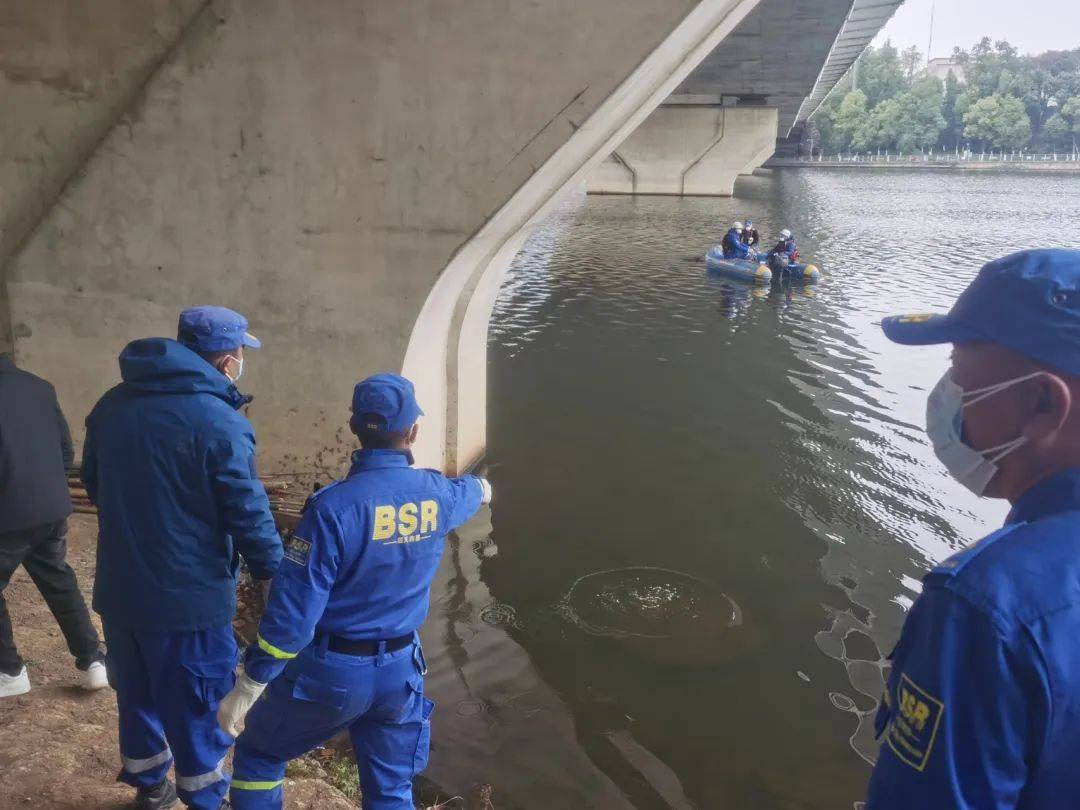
(688, 149)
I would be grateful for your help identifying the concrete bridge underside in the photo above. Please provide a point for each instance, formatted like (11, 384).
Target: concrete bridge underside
(687, 150)
(354, 176)
(762, 83)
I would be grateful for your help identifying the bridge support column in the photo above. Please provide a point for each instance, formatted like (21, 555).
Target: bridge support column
(689, 149)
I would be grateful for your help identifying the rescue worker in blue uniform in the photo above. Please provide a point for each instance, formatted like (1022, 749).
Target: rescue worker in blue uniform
(783, 253)
(170, 463)
(785, 247)
(982, 701)
(338, 643)
(732, 244)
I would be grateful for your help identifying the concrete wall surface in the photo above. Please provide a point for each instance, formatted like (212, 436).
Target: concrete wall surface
(68, 69)
(689, 150)
(333, 169)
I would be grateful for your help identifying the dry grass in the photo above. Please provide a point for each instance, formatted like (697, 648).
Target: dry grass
(337, 769)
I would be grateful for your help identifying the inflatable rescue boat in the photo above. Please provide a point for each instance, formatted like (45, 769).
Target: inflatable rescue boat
(757, 271)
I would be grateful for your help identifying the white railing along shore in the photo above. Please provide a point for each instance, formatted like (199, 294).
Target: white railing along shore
(992, 156)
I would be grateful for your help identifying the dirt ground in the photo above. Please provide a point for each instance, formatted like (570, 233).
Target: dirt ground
(58, 744)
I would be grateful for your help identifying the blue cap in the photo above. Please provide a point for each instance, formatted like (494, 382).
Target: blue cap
(1028, 302)
(390, 398)
(214, 329)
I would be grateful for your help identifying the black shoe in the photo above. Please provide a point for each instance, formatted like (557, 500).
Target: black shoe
(158, 797)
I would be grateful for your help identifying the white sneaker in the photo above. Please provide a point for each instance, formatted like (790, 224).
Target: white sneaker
(95, 677)
(11, 685)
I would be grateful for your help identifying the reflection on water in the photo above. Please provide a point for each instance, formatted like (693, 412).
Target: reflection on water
(647, 416)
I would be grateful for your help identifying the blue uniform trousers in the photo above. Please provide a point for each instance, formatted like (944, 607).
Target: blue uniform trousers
(168, 686)
(379, 699)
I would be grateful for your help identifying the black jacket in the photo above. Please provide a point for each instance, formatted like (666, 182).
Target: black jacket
(35, 452)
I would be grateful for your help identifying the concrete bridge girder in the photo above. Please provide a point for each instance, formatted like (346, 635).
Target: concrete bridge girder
(689, 150)
(786, 54)
(353, 176)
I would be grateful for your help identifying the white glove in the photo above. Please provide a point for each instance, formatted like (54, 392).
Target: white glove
(485, 485)
(264, 585)
(234, 706)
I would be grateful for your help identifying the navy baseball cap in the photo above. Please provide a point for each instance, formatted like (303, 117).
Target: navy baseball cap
(214, 329)
(390, 399)
(1028, 302)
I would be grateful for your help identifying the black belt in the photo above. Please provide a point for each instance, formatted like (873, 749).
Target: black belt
(347, 646)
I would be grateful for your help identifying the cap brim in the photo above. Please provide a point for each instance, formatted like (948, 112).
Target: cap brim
(250, 340)
(927, 330)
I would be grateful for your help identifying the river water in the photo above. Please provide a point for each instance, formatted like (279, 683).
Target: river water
(715, 502)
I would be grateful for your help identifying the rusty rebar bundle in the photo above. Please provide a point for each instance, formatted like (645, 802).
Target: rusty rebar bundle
(286, 496)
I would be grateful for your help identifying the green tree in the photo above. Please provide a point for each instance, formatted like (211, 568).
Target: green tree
(850, 116)
(1063, 85)
(998, 121)
(952, 110)
(984, 63)
(1067, 123)
(1030, 84)
(880, 74)
(911, 61)
(921, 119)
(822, 124)
(1058, 132)
(881, 128)
(1043, 85)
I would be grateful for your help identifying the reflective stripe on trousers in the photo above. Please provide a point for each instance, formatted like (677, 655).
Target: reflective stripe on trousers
(203, 780)
(140, 765)
(242, 784)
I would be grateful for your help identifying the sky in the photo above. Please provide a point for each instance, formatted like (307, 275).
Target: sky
(1033, 26)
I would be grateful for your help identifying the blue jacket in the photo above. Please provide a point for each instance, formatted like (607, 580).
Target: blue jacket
(361, 562)
(982, 705)
(733, 245)
(170, 463)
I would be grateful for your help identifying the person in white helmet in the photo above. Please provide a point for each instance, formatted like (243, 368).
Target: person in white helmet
(784, 252)
(733, 245)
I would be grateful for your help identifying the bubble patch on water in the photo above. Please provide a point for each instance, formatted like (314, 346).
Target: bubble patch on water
(646, 602)
(500, 614)
(842, 702)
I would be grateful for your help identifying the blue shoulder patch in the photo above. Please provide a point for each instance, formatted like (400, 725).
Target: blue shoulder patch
(955, 564)
(297, 550)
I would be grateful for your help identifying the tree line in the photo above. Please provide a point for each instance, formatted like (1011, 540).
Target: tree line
(1004, 101)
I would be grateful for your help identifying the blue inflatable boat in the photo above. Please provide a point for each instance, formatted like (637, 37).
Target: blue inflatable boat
(757, 271)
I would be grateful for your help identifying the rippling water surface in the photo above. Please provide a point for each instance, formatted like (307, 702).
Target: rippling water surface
(716, 502)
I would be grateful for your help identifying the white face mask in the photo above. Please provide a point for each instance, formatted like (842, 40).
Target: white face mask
(974, 469)
(239, 367)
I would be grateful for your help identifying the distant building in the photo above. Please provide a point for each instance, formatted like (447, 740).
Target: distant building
(942, 66)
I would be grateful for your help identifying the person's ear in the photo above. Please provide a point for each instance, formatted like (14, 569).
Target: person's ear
(1052, 406)
(413, 432)
(352, 425)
